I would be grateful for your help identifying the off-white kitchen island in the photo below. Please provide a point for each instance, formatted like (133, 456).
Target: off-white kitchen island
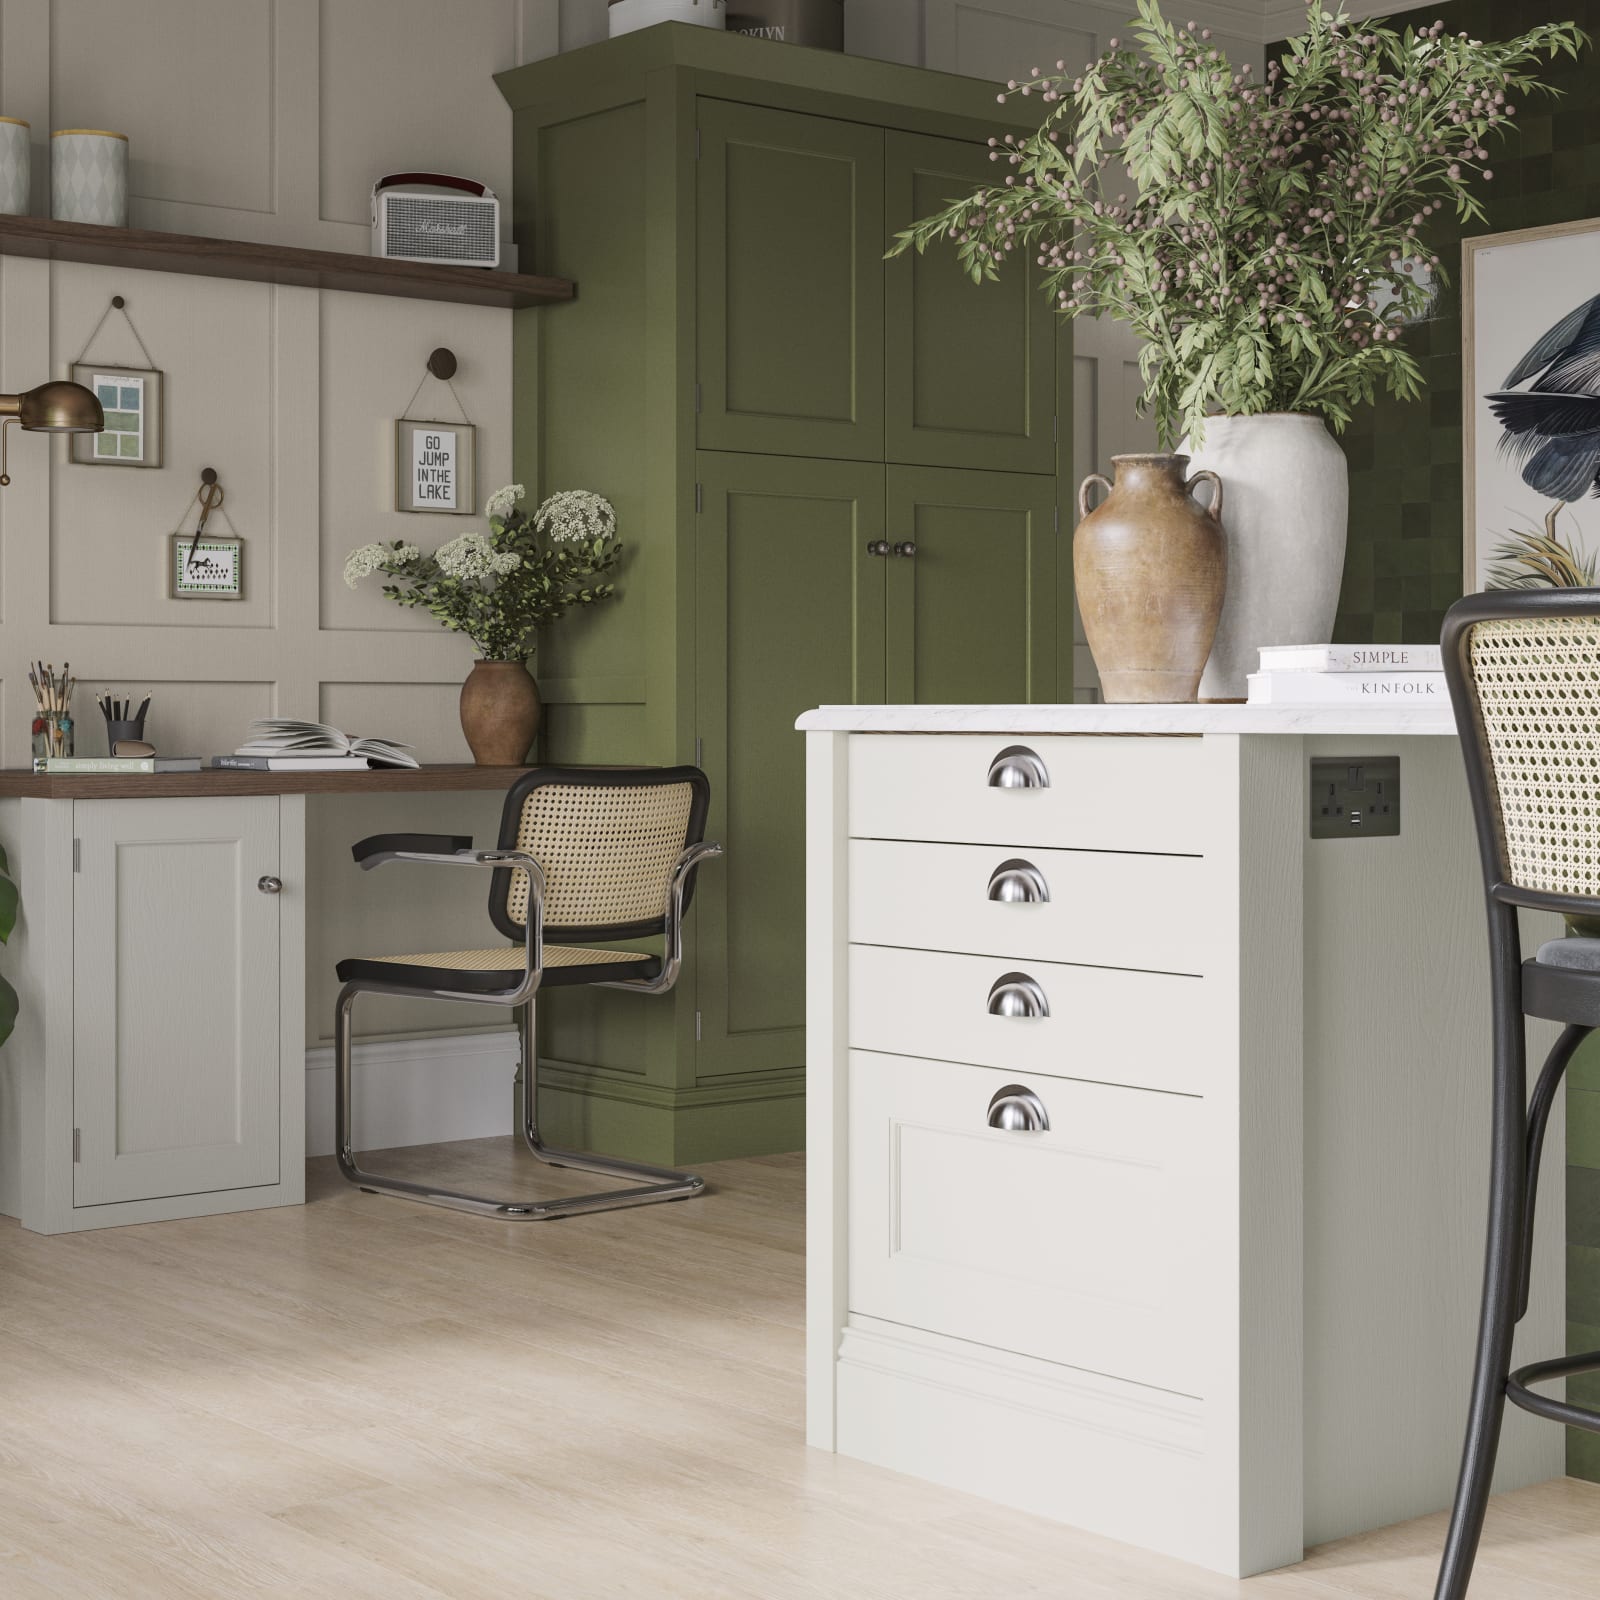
(1149, 1134)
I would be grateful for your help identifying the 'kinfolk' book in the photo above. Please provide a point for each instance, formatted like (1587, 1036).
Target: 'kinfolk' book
(1351, 658)
(1348, 688)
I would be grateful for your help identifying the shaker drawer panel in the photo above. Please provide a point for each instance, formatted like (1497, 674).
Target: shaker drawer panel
(1085, 1243)
(1149, 1029)
(1105, 907)
(1082, 792)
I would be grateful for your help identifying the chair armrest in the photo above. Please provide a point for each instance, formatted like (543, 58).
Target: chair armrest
(390, 845)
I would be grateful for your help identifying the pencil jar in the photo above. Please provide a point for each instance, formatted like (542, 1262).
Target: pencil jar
(89, 176)
(16, 164)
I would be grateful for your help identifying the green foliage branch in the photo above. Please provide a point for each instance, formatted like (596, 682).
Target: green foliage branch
(1272, 245)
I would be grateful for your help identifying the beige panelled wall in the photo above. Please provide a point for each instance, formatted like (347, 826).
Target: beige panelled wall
(264, 120)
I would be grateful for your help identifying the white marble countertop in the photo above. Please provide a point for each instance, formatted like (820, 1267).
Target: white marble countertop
(1215, 718)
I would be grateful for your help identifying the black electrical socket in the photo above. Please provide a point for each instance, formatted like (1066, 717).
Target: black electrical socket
(1354, 797)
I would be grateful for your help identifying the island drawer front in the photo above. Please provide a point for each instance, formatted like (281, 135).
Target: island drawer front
(1103, 793)
(1109, 908)
(1149, 1030)
(1084, 1244)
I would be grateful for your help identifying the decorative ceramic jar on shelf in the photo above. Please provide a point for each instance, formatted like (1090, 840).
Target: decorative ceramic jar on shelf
(818, 23)
(628, 16)
(89, 176)
(16, 162)
(1150, 567)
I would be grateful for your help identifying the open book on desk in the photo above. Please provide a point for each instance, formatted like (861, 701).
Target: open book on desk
(284, 744)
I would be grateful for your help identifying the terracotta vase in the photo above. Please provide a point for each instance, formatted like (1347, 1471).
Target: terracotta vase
(1150, 564)
(500, 712)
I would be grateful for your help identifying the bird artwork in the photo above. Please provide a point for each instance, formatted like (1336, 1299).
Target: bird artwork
(1552, 427)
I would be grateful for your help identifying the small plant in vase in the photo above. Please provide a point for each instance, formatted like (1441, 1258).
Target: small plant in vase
(498, 588)
(1266, 238)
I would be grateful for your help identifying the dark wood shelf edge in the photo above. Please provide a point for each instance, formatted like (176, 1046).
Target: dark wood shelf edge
(42, 237)
(19, 783)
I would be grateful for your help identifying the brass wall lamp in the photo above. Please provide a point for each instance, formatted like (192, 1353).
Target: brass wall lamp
(56, 407)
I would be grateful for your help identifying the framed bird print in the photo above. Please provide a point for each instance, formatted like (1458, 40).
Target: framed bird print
(1531, 409)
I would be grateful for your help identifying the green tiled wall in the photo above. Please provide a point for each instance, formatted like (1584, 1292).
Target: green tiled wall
(1403, 567)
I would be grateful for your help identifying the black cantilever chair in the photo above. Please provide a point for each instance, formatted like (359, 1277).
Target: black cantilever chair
(585, 857)
(1524, 674)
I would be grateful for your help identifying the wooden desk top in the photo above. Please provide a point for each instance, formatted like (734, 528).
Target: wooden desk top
(18, 782)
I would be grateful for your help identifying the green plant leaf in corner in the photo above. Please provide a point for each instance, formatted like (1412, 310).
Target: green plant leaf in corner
(8, 1010)
(8, 899)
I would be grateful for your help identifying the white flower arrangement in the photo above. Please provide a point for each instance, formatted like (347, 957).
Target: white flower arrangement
(499, 587)
(370, 558)
(472, 555)
(571, 515)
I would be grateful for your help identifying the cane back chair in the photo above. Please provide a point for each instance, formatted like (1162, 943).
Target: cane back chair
(1524, 673)
(586, 857)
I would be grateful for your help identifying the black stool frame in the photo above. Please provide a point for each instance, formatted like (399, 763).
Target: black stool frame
(1520, 989)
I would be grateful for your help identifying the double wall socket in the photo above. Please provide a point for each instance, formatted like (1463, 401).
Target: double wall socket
(1355, 797)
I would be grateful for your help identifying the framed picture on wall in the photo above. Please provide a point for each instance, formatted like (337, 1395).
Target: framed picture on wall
(436, 467)
(1530, 324)
(131, 398)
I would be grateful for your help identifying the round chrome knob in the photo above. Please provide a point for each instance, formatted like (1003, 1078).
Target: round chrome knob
(1017, 995)
(269, 884)
(906, 547)
(1018, 883)
(1018, 767)
(1016, 1109)
(877, 547)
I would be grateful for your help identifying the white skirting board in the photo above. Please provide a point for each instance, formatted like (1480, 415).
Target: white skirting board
(416, 1091)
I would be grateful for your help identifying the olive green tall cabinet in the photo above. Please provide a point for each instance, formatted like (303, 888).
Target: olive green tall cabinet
(836, 478)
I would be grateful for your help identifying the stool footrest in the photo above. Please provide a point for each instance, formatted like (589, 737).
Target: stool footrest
(1543, 1405)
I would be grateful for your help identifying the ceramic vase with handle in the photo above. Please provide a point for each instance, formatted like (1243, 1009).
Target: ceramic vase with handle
(1150, 566)
(500, 712)
(1288, 513)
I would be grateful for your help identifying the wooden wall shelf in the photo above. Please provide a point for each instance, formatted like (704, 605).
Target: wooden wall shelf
(275, 263)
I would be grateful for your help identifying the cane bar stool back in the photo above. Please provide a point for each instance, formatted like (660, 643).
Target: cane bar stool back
(1524, 674)
(586, 858)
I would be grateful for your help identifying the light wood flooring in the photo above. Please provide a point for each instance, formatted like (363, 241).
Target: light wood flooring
(365, 1397)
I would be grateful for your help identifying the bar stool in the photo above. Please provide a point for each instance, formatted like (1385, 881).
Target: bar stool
(586, 856)
(1524, 673)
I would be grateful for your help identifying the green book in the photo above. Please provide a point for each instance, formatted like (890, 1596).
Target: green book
(80, 764)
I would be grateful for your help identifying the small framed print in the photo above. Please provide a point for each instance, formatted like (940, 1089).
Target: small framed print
(436, 467)
(205, 569)
(131, 398)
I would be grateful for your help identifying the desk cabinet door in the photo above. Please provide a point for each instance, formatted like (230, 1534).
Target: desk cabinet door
(175, 954)
(790, 284)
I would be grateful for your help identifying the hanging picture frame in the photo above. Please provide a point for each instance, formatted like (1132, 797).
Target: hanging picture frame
(436, 467)
(132, 399)
(208, 568)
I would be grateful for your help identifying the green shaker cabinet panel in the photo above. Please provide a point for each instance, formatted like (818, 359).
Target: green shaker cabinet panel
(790, 296)
(762, 395)
(971, 368)
(973, 611)
(790, 612)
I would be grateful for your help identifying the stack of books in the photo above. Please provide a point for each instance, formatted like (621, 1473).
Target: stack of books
(284, 744)
(1346, 674)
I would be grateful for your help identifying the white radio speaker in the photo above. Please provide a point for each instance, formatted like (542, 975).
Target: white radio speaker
(427, 216)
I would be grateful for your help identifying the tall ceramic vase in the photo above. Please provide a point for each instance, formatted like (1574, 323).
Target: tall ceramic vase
(499, 712)
(1150, 567)
(1287, 517)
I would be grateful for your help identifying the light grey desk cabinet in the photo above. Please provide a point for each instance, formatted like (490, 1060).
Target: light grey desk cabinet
(157, 1069)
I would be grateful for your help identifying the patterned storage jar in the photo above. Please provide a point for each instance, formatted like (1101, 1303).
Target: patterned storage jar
(89, 176)
(16, 160)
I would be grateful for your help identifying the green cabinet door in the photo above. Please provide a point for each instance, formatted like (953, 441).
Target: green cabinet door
(789, 615)
(789, 309)
(971, 368)
(972, 609)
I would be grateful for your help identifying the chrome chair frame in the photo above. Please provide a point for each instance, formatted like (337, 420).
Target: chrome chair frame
(652, 1184)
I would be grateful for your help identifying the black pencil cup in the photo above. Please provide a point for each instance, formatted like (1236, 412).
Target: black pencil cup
(116, 731)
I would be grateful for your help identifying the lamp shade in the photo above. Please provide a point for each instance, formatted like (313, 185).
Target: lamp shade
(60, 407)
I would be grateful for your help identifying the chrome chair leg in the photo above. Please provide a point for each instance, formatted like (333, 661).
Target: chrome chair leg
(652, 1184)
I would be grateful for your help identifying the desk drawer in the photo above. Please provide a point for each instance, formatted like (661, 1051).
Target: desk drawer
(1102, 793)
(1108, 908)
(1152, 1030)
(1085, 1244)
